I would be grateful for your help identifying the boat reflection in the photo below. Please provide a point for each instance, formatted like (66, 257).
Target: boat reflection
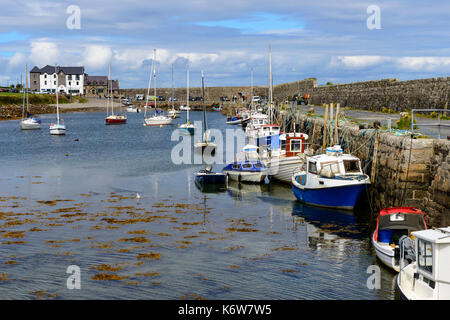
(243, 191)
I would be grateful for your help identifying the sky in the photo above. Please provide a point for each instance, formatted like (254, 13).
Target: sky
(334, 41)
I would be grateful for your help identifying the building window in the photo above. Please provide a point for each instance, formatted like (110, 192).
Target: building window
(34, 82)
(69, 77)
(78, 83)
(54, 76)
(45, 76)
(77, 77)
(425, 256)
(54, 82)
(45, 82)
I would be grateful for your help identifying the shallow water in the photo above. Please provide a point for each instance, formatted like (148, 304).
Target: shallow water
(65, 202)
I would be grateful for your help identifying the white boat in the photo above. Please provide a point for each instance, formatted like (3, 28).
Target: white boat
(393, 223)
(185, 108)
(133, 109)
(256, 122)
(424, 270)
(30, 122)
(333, 180)
(57, 128)
(157, 119)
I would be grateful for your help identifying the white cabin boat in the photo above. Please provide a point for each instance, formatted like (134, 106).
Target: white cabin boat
(424, 271)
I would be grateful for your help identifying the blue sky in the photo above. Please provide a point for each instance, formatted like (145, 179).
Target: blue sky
(326, 39)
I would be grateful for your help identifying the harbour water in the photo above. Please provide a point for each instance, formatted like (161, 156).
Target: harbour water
(71, 200)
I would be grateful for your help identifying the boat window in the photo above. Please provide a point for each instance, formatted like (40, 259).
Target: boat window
(425, 255)
(247, 166)
(332, 166)
(258, 165)
(283, 144)
(352, 166)
(296, 145)
(235, 166)
(312, 168)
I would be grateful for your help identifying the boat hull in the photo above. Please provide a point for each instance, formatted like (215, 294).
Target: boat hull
(115, 120)
(282, 169)
(157, 122)
(385, 254)
(29, 124)
(243, 176)
(186, 129)
(208, 148)
(57, 129)
(341, 197)
(211, 178)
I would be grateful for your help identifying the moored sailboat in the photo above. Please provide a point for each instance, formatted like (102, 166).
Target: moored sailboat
(158, 119)
(57, 128)
(205, 144)
(112, 118)
(187, 127)
(30, 122)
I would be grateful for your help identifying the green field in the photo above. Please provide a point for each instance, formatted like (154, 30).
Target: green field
(8, 98)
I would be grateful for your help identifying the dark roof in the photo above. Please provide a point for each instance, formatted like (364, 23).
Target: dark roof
(100, 81)
(51, 69)
(96, 80)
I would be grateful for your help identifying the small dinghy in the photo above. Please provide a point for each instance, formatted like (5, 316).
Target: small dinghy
(207, 177)
(253, 171)
(392, 224)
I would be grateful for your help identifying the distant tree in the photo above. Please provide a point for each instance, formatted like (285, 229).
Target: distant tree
(329, 83)
(19, 86)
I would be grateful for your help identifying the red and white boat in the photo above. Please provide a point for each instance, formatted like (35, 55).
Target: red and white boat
(392, 224)
(113, 118)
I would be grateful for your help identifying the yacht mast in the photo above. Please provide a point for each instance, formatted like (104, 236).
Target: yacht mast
(154, 77)
(187, 93)
(56, 91)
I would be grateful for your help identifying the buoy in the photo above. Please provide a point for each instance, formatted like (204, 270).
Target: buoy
(66, 154)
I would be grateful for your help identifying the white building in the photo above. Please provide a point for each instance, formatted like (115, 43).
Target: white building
(68, 79)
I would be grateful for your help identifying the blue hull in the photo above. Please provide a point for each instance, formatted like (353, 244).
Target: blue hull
(211, 179)
(338, 197)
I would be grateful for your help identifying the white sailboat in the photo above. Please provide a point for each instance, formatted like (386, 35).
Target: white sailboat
(57, 128)
(157, 119)
(188, 127)
(205, 144)
(30, 122)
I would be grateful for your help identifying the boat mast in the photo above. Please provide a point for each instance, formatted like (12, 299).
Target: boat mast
(111, 91)
(154, 77)
(57, 101)
(24, 92)
(149, 85)
(205, 124)
(187, 93)
(173, 106)
(107, 92)
(251, 94)
(270, 84)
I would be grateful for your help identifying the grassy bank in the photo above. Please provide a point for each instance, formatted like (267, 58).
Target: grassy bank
(7, 99)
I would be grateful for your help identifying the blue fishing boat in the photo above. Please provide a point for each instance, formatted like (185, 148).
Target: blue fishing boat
(333, 180)
(254, 171)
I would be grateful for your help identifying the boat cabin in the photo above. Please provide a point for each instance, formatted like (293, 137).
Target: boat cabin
(293, 143)
(431, 277)
(393, 223)
(246, 166)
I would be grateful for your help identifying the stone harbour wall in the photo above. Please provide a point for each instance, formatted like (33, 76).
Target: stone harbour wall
(403, 171)
(433, 93)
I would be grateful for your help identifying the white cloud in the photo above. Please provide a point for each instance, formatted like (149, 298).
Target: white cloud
(424, 63)
(18, 59)
(356, 62)
(96, 57)
(44, 52)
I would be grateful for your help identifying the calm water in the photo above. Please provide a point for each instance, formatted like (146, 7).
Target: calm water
(65, 202)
